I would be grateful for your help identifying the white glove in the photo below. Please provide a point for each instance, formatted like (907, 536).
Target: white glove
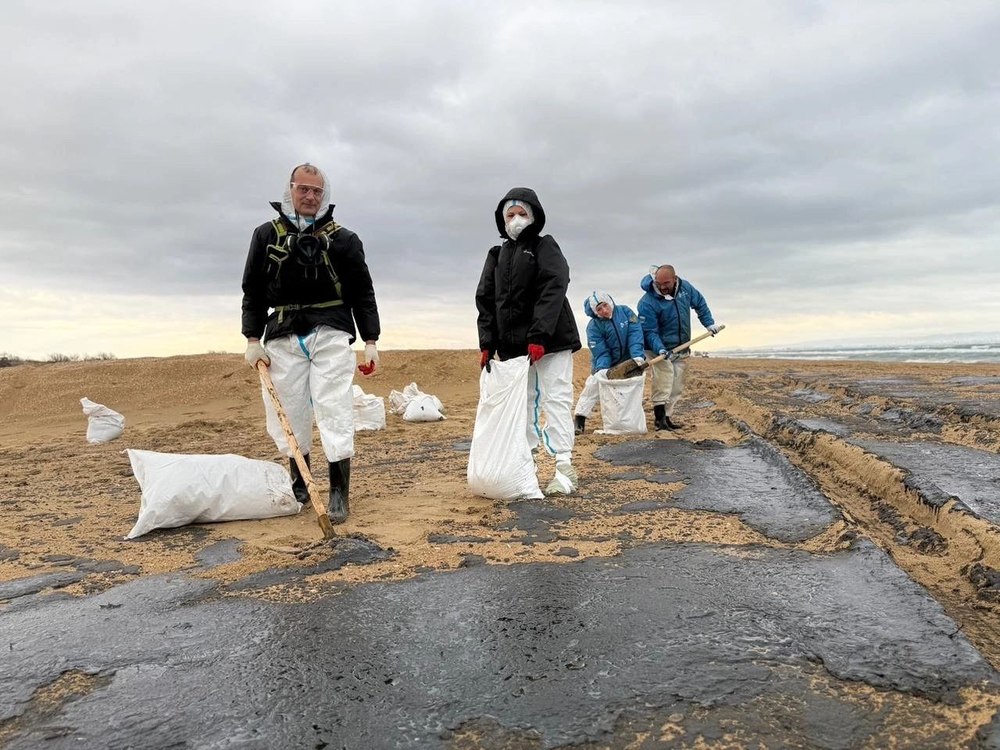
(255, 353)
(639, 360)
(367, 367)
(662, 353)
(714, 328)
(602, 373)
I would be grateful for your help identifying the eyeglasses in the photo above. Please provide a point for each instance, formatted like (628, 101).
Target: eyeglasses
(306, 189)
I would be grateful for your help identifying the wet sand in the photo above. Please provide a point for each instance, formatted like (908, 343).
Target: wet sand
(902, 458)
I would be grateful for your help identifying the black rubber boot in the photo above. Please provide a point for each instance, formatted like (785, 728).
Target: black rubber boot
(581, 422)
(660, 417)
(671, 424)
(340, 485)
(298, 481)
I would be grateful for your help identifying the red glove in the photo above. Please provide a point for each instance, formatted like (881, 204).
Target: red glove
(484, 359)
(535, 352)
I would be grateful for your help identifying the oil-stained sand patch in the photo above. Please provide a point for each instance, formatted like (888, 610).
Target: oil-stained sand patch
(567, 650)
(59, 496)
(971, 475)
(752, 480)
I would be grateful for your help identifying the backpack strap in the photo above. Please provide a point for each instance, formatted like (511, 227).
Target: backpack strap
(328, 231)
(282, 309)
(279, 251)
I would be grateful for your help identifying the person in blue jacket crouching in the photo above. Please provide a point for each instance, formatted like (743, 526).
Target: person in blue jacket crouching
(613, 335)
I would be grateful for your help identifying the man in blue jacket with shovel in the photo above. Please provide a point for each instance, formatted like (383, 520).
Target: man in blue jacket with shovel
(665, 315)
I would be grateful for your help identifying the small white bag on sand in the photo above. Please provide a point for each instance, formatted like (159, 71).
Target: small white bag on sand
(423, 408)
(500, 462)
(429, 408)
(178, 489)
(621, 405)
(103, 424)
(369, 410)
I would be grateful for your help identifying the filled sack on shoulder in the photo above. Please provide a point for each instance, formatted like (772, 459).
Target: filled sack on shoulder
(369, 410)
(621, 405)
(500, 462)
(103, 424)
(178, 489)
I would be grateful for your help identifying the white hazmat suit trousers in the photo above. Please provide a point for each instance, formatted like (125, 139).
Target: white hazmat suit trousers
(668, 381)
(313, 374)
(550, 392)
(589, 397)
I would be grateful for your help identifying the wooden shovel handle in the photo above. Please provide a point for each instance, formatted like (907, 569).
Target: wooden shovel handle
(682, 347)
(629, 369)
(300, 461)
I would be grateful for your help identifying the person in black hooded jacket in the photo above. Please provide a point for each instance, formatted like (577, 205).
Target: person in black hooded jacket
(523, 310)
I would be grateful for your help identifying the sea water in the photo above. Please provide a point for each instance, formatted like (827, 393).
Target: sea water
(983, 352)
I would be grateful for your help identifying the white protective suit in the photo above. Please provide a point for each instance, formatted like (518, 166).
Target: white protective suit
(313, 374)
(550, 390)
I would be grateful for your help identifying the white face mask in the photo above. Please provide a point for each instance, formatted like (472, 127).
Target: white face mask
(516, 225)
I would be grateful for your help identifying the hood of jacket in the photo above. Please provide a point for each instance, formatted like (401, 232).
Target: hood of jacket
(593, 300)
(304, 224)
(286, 208)
(647, 286)
(528, 196)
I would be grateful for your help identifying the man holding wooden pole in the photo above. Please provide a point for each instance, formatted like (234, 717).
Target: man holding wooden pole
(311, 272)
(665, 315)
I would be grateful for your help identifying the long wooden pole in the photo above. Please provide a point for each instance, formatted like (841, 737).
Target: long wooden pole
(300, 461)
(630, 369)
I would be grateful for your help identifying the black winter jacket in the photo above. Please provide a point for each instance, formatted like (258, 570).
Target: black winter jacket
(267, 285)
(522, 292)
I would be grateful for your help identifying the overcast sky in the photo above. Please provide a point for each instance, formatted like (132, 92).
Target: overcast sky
(819, 171)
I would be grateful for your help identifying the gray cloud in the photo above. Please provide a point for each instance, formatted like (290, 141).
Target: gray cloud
(830, 154)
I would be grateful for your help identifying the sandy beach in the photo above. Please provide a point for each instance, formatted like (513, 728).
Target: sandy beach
(67, 504)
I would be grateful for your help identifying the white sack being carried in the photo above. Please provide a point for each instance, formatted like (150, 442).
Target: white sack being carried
(103, 424)
(500, 462)
(621, 405)
(179, 489)
(415, 406)
(369, 410)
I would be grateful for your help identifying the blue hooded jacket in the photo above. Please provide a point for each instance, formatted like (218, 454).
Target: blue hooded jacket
(666, 323)
(615, 340)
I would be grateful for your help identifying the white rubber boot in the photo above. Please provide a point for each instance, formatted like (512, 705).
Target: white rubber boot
(565, 481)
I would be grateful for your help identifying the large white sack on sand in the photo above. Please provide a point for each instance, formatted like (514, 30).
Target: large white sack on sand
(103, 424)
(423, 408)
(416, 406)
(500, 462)
(621, 405)
(178, 489)
(369, 410)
